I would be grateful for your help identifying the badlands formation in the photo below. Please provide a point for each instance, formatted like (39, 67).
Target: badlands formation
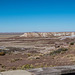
(48, 34)
(39, 53)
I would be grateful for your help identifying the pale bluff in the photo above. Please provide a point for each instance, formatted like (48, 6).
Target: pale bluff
(47, 34)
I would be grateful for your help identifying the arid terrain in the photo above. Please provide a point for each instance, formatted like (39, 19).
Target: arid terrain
(19, 52)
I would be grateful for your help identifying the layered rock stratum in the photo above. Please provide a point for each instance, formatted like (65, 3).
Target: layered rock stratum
(47, 34)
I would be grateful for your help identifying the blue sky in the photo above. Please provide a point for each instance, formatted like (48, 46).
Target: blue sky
(37, 15)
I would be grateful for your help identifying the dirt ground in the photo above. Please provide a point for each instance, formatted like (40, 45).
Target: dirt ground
(26, 53)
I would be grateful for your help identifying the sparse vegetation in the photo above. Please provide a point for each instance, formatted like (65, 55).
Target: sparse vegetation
(2, 53)
(2, 70)
(58, 51)
(27, 66)
(34, 57)
(72, 43)
(16, 59)
(35, 52)
(3, 66)
(13, 68)
(28, 54)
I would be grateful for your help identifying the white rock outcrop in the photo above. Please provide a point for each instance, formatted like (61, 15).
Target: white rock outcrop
(47, 34)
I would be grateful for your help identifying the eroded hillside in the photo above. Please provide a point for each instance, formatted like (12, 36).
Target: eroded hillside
(32, 52)
(47, 34)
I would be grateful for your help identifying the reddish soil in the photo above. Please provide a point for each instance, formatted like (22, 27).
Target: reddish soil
(32, 48)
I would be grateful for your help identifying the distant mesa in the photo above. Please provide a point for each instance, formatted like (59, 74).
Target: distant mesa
(48, 34)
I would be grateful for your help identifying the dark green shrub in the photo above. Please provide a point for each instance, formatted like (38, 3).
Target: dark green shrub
(72, 43)
(13, 68)
(2, 52)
